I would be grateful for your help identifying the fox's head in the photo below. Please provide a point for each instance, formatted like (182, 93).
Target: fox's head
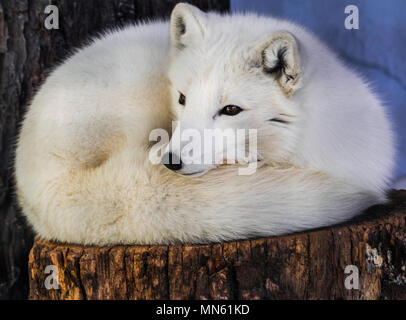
(225, 77)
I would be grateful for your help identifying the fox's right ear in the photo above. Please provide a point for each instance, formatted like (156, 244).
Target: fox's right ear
(187, 25)
(278, 55)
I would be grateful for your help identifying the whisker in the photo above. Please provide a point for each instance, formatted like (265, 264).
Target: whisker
(286, 115)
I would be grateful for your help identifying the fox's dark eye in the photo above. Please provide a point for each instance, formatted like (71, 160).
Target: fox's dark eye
(230, 110)
(182, 99)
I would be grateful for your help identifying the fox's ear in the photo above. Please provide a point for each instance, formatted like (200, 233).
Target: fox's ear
(279, 57)
(187, 25)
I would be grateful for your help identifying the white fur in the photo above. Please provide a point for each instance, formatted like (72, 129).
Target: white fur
(82, 167)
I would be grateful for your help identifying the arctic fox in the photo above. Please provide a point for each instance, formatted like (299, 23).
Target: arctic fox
(325, 146)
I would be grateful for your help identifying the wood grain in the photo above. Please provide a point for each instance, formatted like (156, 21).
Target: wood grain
(306, 265)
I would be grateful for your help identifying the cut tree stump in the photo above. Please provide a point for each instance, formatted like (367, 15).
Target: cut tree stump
(310, 265)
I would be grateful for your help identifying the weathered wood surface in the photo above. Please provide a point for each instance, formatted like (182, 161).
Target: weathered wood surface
(300, 266)
(27, 51)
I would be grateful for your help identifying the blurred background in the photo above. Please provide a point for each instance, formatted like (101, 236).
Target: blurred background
(377, 49)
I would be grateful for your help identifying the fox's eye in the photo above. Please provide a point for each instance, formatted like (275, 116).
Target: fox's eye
(231, 110)
(182, 99)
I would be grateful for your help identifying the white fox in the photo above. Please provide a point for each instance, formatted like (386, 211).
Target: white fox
(82, 161)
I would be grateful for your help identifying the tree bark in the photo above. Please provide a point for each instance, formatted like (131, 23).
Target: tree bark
(308, 265)
(27, 51)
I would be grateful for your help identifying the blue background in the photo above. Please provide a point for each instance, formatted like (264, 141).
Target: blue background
(377, 49)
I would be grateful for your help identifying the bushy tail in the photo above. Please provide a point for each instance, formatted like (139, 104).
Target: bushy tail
(129, 200)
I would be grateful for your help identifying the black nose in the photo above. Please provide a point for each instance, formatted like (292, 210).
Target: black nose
(172, 161)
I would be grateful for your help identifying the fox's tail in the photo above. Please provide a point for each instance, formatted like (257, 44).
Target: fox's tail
(129, 200)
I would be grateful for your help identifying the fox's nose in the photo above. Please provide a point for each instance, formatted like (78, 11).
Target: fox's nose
(172, 161)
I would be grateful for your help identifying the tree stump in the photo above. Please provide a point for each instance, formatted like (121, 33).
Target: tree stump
(320, 264)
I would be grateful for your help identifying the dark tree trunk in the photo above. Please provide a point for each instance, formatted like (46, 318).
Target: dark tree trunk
(307, 265)
(27, 51)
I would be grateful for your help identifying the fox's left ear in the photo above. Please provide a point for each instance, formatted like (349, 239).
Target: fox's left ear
(187, 25)
(278, 55)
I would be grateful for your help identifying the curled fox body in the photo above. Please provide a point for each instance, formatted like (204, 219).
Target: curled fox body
(82, 161)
